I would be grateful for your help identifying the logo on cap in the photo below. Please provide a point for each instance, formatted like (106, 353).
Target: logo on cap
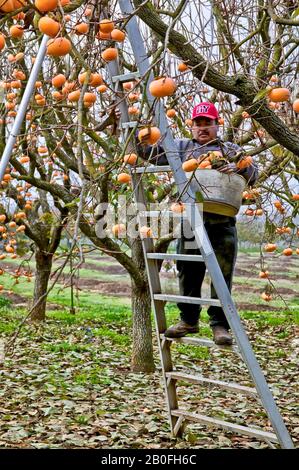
(202, 109)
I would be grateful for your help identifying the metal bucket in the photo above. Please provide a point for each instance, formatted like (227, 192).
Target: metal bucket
(221, 193)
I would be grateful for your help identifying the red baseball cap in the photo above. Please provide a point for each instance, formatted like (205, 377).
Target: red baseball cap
(205, 109)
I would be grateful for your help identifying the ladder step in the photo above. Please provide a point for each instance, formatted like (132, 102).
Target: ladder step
(153, 169)
(174, 256)
(258, 433)
(187, 300)
(129, 124)
(192, 341)
(211, 382)
(126, 77)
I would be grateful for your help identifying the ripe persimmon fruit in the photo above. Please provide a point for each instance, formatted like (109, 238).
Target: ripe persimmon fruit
(19, 56)
(133, 96)
(59, 80)
(278, 95)
(16, 31)
(161, 87)
(277, 204)
(109, 54)
(74, 95)
(2, 41)
(190, 165)
(102, 88)
(128, 86)
(106, 26)
(81, 28)
(130, 158)
(149, 135)
(244, 163)
(24, 159)
(7, 6)
(133, 110)
(58, 47)
(48, 26)
(89, 97)
(264, 274)
(205, 165)
(171, 113)
(270, 247)
(123, 178)
(266, 297)
(46, 5)
(118, 35)
(96, 80)
(296, 106)
(103, 36)
(182, 67)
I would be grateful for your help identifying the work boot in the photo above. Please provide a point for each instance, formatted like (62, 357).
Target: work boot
(181, 329)
(221, 335)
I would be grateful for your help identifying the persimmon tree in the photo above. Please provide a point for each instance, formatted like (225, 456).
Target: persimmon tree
(42, 222)
(64, 149)
(226, 52)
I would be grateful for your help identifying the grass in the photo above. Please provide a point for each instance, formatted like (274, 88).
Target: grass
(116, 338)
(108, 310)
(65, 347)
(102, 311)
(100, 276)
(192, 352)
(76, 367)
(272, 318)
(249, 250)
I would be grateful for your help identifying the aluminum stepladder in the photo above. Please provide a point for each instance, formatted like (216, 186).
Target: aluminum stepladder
(261, 390)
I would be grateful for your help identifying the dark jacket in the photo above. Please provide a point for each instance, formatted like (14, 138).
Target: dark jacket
(190, 147)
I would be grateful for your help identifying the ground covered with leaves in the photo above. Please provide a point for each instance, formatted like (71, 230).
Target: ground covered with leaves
(68, 383)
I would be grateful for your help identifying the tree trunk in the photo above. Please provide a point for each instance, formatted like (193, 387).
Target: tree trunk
(43, 270)
(142, 354)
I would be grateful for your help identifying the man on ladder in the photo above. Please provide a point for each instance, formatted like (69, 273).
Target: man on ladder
(220, 228)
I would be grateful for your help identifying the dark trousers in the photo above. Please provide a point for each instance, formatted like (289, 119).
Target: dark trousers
(223, 238)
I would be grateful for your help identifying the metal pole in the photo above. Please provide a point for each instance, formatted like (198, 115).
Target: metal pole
(23, 106)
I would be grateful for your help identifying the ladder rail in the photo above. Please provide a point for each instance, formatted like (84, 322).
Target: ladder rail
(152, 274)
(23, 106)
(160, 319)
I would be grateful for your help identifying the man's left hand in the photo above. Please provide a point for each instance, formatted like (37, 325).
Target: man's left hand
(229, 168)
(117, 113)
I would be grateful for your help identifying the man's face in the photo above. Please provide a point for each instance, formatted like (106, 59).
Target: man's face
(204, 129)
